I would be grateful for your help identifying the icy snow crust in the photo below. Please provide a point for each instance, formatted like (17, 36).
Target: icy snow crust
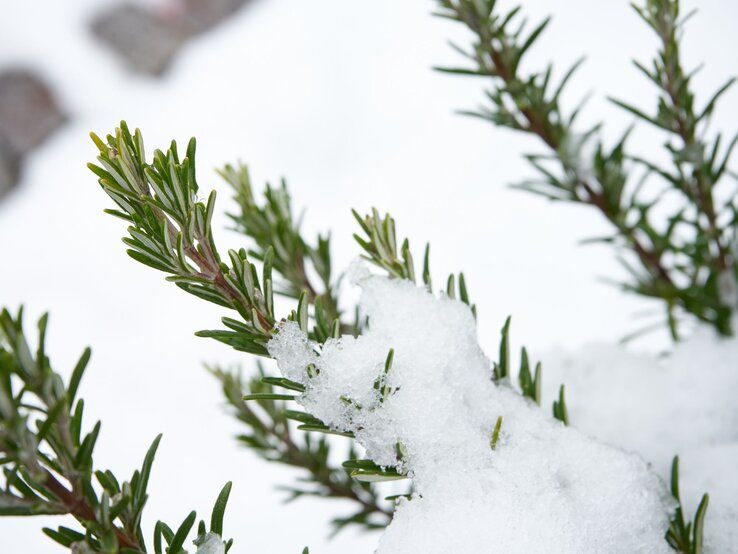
(685, 404)
(545, 488)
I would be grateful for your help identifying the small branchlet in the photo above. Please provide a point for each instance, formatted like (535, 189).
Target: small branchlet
(271, 224)
(380, 248)
(685, 537)
(270, 402)
(47, 458)
(380, 245)
(170, 230)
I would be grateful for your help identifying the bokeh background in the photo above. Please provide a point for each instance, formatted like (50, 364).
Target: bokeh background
(340, 98)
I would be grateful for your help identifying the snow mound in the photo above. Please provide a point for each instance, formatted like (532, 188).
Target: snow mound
(681, 404)
(656, 407)
(543, 488)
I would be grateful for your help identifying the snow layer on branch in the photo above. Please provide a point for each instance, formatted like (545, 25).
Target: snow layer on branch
(545, 488)
(681, 404)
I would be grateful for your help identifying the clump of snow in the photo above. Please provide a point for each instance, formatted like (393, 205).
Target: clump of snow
(681, 404)
(544, 488)
(210, 543)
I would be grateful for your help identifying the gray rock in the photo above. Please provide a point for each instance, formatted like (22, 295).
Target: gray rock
(9, 167)
(148, 40)
(28, 109)
(201, 15)
(28, 114)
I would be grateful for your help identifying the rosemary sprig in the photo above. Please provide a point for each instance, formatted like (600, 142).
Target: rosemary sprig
(682, 258)
(47, 459)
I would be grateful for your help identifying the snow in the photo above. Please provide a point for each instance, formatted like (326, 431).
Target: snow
(679, 404)
(211, 543)
(543, 488)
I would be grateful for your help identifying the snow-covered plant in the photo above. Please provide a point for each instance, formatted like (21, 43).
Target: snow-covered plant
(401, 377)
(408, 383)
(677, 244)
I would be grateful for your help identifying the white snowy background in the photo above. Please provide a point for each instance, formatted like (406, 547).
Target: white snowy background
(338, 97)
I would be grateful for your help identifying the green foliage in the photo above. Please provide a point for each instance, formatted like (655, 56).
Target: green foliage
(530, 384)
(262, 391)
(380, 246)
(273, 226)
(47, 458)
(278, 244)
(170, 230)
(380, 383)
(496, 434)
(270, 436)
(277, 241)
(559, 408)
(160, 202)
(369, 472)
(686, 537)
(263, 411)
(684, 257)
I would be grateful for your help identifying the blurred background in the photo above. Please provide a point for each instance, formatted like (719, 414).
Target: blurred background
(340, 98)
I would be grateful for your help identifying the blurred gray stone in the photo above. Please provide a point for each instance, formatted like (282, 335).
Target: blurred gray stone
(145, 42)
(28, 114)
(28, 110)
(201, 15)
(9, 167)
(148, 39)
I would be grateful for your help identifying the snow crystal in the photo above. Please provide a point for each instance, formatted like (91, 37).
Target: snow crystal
(211, 543)
(543, 488)
(682, 404)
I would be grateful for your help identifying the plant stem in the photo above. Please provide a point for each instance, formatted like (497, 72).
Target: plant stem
(539, 126)
(80, 509)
